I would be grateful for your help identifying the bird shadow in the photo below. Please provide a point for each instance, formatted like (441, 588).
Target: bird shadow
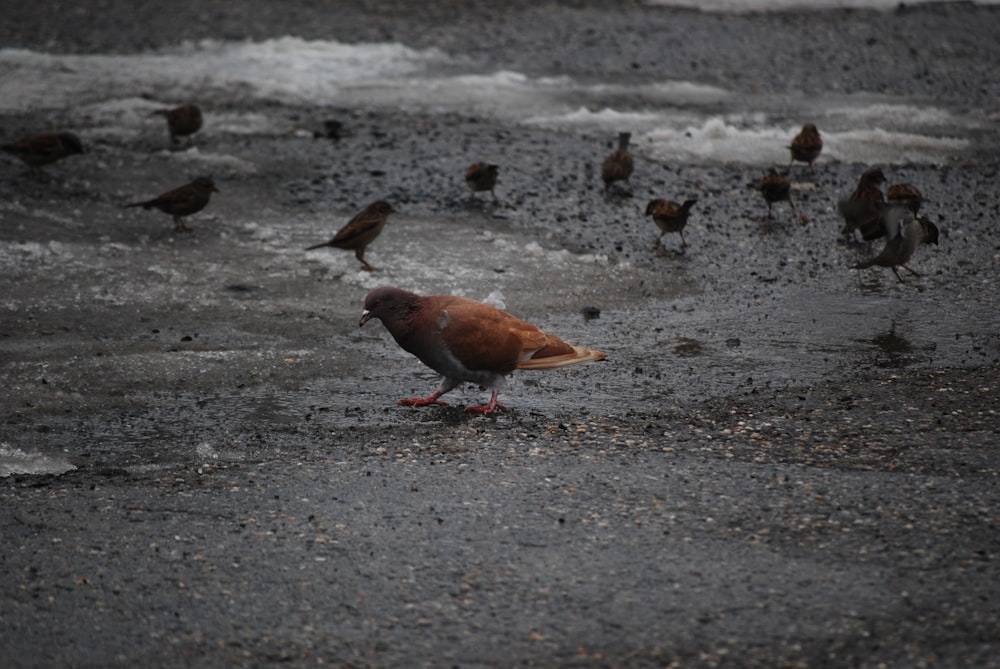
(40, 178)
(615, 195)
(484, 207)
(774, 225)
(677, 252)
(884, 282)
(893, 350)
(453, 415)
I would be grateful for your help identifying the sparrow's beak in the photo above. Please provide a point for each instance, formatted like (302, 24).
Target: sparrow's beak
(365, 315)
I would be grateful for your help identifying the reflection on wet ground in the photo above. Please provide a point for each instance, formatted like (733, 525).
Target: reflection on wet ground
(892, 343)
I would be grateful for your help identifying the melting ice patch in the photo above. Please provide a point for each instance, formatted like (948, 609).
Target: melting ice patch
(720, 140)
(286, 69)
(509, 262)
(16, 461)
(214, 161)
(670, 120)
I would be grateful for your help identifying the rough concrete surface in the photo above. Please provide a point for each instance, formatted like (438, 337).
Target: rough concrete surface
(783, 462)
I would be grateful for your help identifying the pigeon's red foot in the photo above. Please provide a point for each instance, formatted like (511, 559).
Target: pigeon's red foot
(424, 401)
(487, 410)
(490, 408)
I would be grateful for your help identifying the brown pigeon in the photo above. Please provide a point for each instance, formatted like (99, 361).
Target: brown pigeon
(467, 341)
(361, 231)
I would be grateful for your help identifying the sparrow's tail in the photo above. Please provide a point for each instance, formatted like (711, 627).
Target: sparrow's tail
(316, 246)
(148, 204)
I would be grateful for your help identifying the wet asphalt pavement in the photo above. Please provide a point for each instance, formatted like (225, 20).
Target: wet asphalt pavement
(783, 463)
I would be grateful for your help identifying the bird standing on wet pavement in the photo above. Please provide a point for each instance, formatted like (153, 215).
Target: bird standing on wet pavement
(775, 187)
(467, 341)
(670, 217)
(618, 165)
(806, 146)
(903, 232)
(905, 195)
(361, 231)
(862, 211)
(44, 149)
(182, 121)
(183, 201)
(480, 177)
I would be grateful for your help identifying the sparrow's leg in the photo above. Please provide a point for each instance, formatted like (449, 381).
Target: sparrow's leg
(360, 255)
(909, 270)
(424, 401)
(802, 217)
(897, 275)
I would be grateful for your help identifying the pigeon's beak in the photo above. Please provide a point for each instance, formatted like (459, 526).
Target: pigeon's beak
(365, 315)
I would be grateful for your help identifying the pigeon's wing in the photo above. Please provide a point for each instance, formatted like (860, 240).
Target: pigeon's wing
(484, 337)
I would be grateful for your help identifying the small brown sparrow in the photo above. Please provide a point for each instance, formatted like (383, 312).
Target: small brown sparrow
(183, 201)
(775, 187)
(806, 146)
(905, 195)
(361, 231)
(482, 177)
(670, 217)
(182, 121)
(618, 166)
(863, 210)
(903, 231)
(44, 149)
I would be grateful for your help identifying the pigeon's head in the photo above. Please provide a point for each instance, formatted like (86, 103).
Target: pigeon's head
(389, 305)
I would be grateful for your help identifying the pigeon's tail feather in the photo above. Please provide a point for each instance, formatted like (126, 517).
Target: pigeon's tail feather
(558, 353)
